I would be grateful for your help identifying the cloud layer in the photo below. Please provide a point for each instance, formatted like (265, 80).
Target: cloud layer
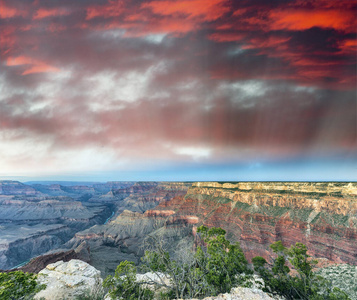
(133, 85)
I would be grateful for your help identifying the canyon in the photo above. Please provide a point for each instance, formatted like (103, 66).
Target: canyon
(114, 220)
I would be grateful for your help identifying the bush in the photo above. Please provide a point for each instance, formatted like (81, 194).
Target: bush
(123, 284)
(305, 285)
(18, 285)
(214, 268)
(224, 263)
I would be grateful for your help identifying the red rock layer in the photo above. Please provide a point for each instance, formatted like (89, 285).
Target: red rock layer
(325, 221)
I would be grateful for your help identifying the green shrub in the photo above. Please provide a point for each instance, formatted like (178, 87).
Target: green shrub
(305, 284)
(123, 284)
(214, 268)
(18, 285)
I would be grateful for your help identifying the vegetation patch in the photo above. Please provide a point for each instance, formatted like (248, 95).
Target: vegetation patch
(342, 276)
(18, 285)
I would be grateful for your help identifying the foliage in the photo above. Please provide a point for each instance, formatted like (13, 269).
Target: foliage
(226, 265)
(212, 269)
(124, 285)
(18, 285)
(342, 276)
(303, 285)
(215, 267)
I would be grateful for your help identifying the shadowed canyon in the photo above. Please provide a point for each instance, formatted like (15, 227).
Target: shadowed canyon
(105, 223)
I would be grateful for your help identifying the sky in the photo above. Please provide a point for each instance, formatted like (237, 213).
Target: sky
(178, 90)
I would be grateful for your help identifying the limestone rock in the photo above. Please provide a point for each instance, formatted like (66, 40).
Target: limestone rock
(67, 280)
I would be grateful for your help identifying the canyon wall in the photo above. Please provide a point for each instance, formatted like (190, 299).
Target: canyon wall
(123, 236)
(321, 215)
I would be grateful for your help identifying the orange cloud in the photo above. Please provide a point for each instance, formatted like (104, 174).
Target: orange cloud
(31, 65)
(348, 46)
(52, 12)
(305, 19)
(207, 10)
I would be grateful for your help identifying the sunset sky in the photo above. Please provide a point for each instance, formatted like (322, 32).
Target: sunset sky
(178, 90)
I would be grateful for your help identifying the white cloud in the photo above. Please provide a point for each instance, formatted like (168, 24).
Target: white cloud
(195, 152)
(155, 38)
(31, 156)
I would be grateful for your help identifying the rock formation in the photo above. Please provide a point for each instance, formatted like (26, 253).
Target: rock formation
(68, 280)
(320, 215)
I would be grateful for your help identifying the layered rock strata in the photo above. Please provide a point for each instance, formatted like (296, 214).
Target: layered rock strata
(31, 228)
(40, 262)
(321, 215)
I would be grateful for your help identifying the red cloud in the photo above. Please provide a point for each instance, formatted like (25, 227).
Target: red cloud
(203, 9)
(305, 19)
(113, 9)
(52, 12)
(7, 11)
(31, 65)
(226, 37)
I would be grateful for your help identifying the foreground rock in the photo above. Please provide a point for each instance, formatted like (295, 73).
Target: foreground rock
(68, 280)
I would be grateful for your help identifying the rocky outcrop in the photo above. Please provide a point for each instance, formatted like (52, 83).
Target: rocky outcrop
(68, 280)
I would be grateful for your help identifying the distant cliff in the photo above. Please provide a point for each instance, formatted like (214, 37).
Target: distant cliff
(8, 187)
(321, 215)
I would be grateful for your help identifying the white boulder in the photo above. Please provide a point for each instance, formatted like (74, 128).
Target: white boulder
(67, 280)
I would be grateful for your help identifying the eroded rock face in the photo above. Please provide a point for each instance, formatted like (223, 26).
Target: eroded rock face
(9, 187)
(320, 215)
(67, 280)
(31, 227)
(40, 262)
(122, 237)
